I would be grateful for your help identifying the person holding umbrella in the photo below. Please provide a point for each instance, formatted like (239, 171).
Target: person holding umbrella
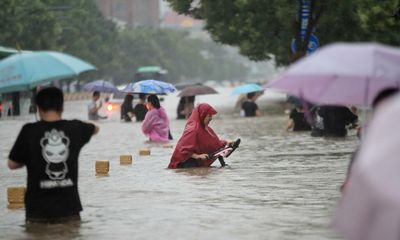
(140, 108)
(249, 107)
(185, 107)
(188, 97)
(127, 111)
(297, 120)
(246, 101)
(335, 119)
(180, 114)
(155, 124)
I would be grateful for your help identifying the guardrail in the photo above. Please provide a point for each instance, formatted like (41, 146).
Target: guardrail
(77, 96)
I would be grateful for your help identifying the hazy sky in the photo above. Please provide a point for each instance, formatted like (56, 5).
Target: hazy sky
(163, 6)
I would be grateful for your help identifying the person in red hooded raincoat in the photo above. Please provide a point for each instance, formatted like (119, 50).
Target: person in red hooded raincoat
(197, 141)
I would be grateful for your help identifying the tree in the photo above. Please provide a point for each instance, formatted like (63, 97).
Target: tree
(78, 28)
(379, 20)
(262, 28)
(75, 27)
(85, 33)
(28, 25)
(176, 52)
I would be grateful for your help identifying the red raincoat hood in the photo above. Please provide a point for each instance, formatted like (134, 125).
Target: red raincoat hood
(197, 137)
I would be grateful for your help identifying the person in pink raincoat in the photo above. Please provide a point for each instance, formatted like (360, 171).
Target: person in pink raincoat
(155, 124)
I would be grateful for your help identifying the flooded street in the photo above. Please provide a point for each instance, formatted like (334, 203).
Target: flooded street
(278, 185)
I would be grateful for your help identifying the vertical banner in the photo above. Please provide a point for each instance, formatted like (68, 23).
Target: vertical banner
(303, 16)
(305, 11)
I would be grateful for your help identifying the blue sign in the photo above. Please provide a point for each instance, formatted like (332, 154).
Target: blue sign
(313, 44)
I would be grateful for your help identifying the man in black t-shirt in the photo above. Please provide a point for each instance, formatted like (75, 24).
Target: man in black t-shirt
(335, 119)
(297, 120)
(249, 107)
(49, 149)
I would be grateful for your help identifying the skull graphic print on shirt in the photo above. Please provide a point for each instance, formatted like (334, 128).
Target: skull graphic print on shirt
(55, 151)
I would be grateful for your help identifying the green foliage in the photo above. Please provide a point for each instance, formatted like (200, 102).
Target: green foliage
(78, 28)
(261, 28)
(28, 25)
(75, 27)
(378, 22)
(176, 52)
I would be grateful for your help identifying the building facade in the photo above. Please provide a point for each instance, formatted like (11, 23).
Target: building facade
(132, 12)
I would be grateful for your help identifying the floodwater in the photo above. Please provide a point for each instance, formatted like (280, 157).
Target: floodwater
(278, 185)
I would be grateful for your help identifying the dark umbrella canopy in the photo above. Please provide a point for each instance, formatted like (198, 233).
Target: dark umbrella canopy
(196, 90)
(101, 86)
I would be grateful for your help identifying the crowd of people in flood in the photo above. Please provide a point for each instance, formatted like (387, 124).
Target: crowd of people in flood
(322, 121)
(49, 148)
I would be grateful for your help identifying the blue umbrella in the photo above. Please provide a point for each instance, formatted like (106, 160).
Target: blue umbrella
(247, 88)
(26, 70)
(100, 86)
(149, 87)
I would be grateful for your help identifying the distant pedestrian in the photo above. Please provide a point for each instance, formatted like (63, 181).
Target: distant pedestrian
(297, 120)
(10, 109)
(50, 149)
(140, 108)
(93, 107)
(156, 124)
(335, 119)
(127, 111)
(188, 106)
(180, 112)
(249, 107)
(317, 126)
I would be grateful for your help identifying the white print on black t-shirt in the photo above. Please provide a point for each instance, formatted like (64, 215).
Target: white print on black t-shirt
(55, 150)
(56, 183)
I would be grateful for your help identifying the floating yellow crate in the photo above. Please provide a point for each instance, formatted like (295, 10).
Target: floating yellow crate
(144, 152)
(125, 159)
(16, 195)
(102, 167)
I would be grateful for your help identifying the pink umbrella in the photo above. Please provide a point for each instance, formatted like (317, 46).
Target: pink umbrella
(342, 74)
(370, 207)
